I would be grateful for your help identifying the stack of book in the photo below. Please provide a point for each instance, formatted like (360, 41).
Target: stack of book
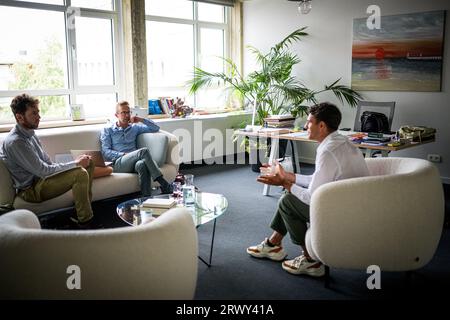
(279, 121)
(375, 140)
(159, 203)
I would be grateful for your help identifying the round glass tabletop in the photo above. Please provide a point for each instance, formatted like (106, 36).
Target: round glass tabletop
(207, 207)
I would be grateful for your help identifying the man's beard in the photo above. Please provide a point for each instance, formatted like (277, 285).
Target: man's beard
(29, 125)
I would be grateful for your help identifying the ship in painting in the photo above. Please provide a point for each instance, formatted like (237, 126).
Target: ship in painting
(421, 56)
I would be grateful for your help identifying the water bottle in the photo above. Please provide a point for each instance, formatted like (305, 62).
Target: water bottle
(189, 190)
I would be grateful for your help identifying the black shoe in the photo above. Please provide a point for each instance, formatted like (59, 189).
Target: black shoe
(166, 189)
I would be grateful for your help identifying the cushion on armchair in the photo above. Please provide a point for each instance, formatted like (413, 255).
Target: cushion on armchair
(157, 144)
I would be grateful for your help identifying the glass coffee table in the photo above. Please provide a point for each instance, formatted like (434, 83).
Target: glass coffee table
(208, 207)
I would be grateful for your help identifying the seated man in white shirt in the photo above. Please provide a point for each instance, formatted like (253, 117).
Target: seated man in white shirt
(336, 159)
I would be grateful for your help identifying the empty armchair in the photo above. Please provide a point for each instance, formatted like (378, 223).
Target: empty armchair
(153, 261)
(392, 219)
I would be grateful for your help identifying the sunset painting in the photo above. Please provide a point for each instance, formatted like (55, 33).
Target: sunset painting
(404, 55)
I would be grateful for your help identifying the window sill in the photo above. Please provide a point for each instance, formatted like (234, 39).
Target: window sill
(70, 123)
(58, 124)
(204, 116)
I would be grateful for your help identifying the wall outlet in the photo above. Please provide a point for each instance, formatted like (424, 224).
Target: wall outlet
(434, 158)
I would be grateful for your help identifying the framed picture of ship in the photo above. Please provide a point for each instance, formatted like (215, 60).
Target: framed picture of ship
(405, 54)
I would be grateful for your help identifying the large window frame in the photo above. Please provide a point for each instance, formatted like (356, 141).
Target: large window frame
(73, 89)
(197, 26)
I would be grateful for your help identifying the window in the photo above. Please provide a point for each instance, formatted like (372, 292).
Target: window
(94, 51)
(97, 4)
(63, 55)
(180, 35)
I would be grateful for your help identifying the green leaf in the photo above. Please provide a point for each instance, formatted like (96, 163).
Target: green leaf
(272, 84)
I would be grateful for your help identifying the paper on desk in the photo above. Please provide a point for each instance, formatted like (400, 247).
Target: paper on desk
(297, 134)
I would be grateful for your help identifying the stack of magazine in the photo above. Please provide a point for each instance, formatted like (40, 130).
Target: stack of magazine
(279, 121)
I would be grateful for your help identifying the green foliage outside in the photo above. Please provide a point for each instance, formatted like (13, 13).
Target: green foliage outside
(46, 73)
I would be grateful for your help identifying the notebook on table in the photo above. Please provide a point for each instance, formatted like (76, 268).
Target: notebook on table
(96, 156)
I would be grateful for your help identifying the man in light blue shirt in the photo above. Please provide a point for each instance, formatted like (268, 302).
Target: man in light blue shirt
(119, 146)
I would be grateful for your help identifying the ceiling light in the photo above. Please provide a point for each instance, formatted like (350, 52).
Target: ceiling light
(304, 6)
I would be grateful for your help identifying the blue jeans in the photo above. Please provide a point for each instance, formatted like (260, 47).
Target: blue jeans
(141, 162)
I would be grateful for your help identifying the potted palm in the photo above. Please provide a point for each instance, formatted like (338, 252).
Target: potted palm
(272, 88)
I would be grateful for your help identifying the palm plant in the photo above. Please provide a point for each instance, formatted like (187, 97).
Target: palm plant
(272, 87)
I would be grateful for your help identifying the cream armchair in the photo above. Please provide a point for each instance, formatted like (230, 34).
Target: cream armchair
(153, 261)
(392, 219)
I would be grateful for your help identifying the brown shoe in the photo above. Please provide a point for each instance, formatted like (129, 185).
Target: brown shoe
(88, 225)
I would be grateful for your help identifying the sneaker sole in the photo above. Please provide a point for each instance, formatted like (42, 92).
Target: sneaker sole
(264, 255)
(292, 271)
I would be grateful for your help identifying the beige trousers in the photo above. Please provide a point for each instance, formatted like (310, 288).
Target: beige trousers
(78, 179)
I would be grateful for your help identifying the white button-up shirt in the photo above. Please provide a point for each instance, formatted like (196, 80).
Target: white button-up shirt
(336, 159)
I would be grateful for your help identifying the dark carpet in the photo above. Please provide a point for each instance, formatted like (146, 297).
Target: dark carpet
(237, 276)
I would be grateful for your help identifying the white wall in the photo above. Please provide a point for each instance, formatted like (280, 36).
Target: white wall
(326, 56)
(206, 138)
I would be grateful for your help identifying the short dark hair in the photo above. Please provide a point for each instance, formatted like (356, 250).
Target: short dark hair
(328, 113)
(21, 102)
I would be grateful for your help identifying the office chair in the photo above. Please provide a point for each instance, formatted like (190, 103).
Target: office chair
(386, 108)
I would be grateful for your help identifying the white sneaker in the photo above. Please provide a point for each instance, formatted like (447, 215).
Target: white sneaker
(263, 250)
(301, 265)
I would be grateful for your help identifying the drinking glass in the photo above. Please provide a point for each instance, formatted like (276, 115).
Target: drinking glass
(189, 179)
(176, 186)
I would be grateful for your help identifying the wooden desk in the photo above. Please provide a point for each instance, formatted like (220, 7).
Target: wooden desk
(367, 150)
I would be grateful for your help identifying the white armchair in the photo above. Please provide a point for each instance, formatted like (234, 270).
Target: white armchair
(153, 261)
(392, 219)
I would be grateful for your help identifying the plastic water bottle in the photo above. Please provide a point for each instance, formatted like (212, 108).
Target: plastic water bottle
(188, 195)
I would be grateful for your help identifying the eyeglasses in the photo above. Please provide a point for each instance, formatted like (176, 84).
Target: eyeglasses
(125, 112)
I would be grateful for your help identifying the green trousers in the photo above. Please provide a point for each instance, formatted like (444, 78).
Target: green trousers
(78, 179)
(139, 161)
(291, 216)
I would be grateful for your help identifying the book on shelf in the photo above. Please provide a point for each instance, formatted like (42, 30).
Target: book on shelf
(159, 203)
(154, 107)
(166, 105)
